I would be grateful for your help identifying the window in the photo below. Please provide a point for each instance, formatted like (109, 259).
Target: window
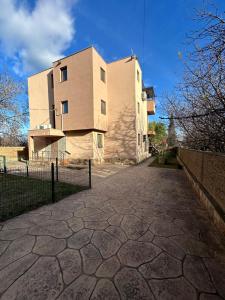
(63, 74)
(138, 107)
(52, 81)
(139, 139)
(138, 75)
(99, 140)
(65, 107)
(102, 74)
(144, 138)
(103, 107)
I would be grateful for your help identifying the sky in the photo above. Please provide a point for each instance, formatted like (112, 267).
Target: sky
(33, 33)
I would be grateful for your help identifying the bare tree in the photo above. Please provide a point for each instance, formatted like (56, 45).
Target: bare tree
(198, 105)
(12, 113)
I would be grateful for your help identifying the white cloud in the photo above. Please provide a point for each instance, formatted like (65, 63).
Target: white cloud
(33, 38)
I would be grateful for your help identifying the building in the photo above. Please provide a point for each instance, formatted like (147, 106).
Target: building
(83, 107)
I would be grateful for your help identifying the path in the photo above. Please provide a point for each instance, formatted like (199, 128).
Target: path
(138, 234)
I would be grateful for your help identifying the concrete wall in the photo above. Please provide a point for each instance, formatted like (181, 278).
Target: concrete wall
(98, 153)
(77, 90)
(120, 139)
(14, 153)
(208, 172)
(84, 145)
(141, 116)
(99, 92)
(79, 144)
(41, 99)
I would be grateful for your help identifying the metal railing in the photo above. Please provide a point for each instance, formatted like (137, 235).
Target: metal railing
(48, 156)
(27, 187)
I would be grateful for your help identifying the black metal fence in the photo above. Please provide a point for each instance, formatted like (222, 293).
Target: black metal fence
(26, 187)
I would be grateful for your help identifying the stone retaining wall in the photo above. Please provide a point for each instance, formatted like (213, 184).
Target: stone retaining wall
(206, 171)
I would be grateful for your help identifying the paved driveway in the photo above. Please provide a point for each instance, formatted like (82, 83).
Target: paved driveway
(139, 234)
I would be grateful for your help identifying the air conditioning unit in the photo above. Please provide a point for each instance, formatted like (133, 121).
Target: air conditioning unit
(49, 126)
(144, 96)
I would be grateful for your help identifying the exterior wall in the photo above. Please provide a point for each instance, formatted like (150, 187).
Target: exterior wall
(120, 139)
(141, 117)
(41, 99)
(79, 145)
(77, 90)
(14, 153)
(99, 92)
(83, 145)
(98, 153)
(30, 146)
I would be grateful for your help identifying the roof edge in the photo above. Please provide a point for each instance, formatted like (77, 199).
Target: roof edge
(84, 49)
(40, 72)
(73, 53)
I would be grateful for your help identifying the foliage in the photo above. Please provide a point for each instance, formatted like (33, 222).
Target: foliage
(198, 104)
(12, 113)
(160, 132)
(167, 159)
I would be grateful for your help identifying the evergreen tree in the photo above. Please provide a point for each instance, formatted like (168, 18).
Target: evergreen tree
(172, 137)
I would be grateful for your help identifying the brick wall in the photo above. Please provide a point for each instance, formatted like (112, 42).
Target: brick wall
(209, 170)
(14, 153)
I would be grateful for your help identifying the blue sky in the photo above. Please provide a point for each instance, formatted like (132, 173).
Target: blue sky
(41, 31)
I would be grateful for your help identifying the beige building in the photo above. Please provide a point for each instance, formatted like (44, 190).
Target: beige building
(85, 108)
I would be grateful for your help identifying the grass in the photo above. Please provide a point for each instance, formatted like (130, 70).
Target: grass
(167, 160)
(19, 194)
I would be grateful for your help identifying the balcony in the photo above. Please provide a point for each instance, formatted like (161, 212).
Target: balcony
(151, 107)
(48, 132)
(151, 132)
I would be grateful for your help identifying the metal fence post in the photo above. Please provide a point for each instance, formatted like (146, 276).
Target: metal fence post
(57, 168)
(89, 169)
(53, 182)
(4, 164)
(27, 169)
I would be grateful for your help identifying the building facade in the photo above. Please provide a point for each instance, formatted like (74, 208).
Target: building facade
(85, 108)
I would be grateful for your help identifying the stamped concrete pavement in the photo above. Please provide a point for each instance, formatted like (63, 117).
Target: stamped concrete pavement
(138, 234)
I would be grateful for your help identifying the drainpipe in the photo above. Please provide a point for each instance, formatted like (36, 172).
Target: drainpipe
(62, 122)
(53, 112)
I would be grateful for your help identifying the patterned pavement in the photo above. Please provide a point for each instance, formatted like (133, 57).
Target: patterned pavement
(138, 234)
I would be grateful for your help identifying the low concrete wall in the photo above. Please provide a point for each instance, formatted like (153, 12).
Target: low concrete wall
(206, 171)
(14, 153)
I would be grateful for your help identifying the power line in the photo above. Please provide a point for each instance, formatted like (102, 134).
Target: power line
(194, 116)
(42, 109)
(25, 113)
(143, 34)
(15, 116)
